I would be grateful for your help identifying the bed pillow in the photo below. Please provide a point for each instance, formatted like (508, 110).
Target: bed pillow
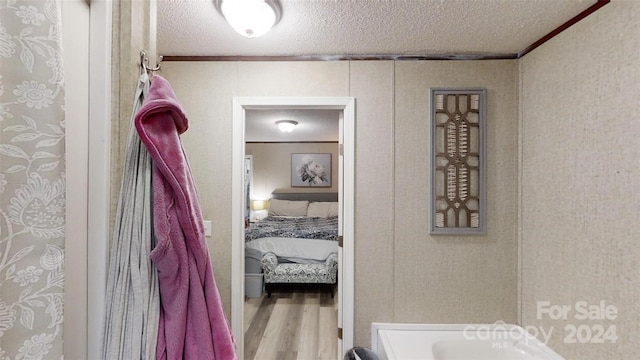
(322, 209)
(287, 208)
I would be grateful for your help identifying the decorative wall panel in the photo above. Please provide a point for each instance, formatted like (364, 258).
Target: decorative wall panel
(457, 161)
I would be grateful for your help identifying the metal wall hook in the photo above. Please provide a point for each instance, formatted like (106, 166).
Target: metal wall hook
(144, 63)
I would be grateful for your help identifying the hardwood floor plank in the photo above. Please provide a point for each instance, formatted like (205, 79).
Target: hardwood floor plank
(253, 335)
(295, 324)
(251, 307)
(289, 355)
(328, 329)
(326, 300)
(308, 345)
(269, 347)
(289, 336)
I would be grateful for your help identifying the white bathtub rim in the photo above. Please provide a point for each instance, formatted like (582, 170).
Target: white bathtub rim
(376, 327)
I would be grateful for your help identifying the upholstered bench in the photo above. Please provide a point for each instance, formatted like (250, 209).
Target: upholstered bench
(295, 273)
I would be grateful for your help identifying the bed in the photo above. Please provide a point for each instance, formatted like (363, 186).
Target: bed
(297, 243)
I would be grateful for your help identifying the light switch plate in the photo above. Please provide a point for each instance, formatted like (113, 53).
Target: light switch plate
(207, 228)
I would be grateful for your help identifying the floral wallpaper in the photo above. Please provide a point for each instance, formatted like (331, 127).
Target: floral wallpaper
(32, 180)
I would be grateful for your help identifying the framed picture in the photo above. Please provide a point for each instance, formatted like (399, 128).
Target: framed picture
(310, 170)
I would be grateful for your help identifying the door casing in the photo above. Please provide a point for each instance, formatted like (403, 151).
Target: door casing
(346, 193)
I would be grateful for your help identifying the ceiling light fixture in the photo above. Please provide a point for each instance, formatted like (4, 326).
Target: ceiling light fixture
(286, 125)
(250, 18)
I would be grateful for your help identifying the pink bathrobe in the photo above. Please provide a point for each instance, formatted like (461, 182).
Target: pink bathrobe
(192, 322)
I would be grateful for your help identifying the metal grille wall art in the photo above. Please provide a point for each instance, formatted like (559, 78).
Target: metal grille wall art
(458, 161)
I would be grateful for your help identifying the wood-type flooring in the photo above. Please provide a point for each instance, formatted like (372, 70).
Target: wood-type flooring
(293, 324)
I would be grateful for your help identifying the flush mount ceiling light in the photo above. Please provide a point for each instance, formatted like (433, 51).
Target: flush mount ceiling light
(286, 125)
(250, 18)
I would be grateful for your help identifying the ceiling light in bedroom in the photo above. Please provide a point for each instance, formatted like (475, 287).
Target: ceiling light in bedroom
(250, 18)
(286, 125)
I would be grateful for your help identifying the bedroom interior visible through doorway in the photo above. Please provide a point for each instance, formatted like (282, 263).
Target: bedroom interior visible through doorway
(346, 193)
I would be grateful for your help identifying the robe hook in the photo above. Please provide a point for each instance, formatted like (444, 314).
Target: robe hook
(144, 62)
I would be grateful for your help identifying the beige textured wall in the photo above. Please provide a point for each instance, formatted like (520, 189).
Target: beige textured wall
(580, 200)
(455, 279)
(402, 274)
(206, 90)
(272, 166)
(371, 84)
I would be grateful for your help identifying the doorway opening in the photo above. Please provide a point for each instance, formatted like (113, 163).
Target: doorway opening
(345, 294)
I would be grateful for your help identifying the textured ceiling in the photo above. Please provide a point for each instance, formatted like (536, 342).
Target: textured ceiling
(359, 27)
(367, 27)
(313, 125)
